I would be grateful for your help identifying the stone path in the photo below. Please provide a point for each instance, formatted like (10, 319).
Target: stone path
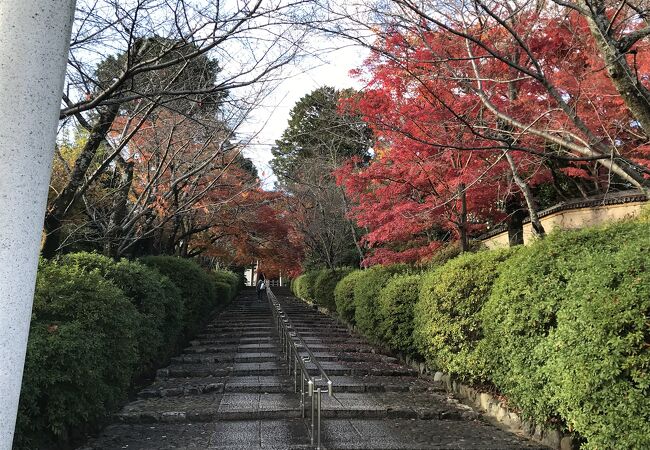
(230, 390)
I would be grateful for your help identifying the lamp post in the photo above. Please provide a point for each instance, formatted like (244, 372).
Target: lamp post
(33, 56)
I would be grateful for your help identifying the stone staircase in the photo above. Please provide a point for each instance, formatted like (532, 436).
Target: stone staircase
(230, 389)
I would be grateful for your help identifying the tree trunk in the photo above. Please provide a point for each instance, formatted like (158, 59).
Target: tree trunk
(515, 220)
(634, 94)
(353, 231)
(61, 204)
(538, 228)
(114, 233)
(462, 226)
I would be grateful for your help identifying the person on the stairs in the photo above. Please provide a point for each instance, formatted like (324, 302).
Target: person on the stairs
(261, 287)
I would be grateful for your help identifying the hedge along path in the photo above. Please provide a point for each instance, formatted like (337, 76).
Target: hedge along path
(102, 326)
(230, 390)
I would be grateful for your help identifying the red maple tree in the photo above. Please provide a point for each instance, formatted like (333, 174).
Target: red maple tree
(464, 120)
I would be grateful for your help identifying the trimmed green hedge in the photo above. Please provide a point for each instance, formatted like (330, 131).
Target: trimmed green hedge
(97, 325)
(197, 288)
(448, 327)
(324, 286)
(303, 286)
(560, 327)
(344, 295)
(232, 280)
(155, 297)
(550, 291)
(297, 285)
(293, 283)
(366, 297)
(396, 303)
(81, 355)
(598, 356)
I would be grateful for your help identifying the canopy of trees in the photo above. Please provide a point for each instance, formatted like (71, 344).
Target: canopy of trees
(320, 136)
(483, 108)
(148, 158)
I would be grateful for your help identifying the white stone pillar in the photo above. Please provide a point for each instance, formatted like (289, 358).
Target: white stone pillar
(34, 40)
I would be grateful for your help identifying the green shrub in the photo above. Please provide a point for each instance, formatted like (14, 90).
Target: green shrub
(80, 357)
(310, 283)
(448, 252)
(598, 356)
(296, 285)
(229, 278)
(344, 295)
(447, 324)
(224, 291)
(366, 297)
(292, 285)
(396, 302)
(533, 285)
(195, 284)
(304, 285)
(153, 295)
(324, 286)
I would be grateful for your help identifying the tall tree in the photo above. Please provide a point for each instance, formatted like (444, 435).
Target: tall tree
(518, 84)
(551, 52)
(161, 55)
(321, 134)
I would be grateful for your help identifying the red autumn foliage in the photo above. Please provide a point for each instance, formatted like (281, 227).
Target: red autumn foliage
(197, 195)
(428, 101)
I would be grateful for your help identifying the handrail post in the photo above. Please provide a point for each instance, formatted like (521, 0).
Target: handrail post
(318, 400)
(302, 394)
(295, 376)
(311, 394)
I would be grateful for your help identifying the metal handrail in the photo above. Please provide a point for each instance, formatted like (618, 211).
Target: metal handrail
(288, 336)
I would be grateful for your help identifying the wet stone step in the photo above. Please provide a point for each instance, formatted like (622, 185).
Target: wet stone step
(259, 384)
(365, 357)
(297, 320)
(339, 434)
(198, 408)
(330, 340)
(258, 356)
(221, 370)
(287, 434)
(313, 335)
(230, 348)
(200, 358)
(217, 334)
(244, 330)
(233, 341)
(228, 406)
(240, 406)
(243, 325)
(176, 387)
(376, 368)
(322, 356)
(321, 331)
(341, 347)
(267, 345)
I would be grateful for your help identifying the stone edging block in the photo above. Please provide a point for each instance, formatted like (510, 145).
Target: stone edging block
(491, 407)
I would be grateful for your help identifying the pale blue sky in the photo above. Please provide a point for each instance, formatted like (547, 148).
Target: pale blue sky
(268, 122)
